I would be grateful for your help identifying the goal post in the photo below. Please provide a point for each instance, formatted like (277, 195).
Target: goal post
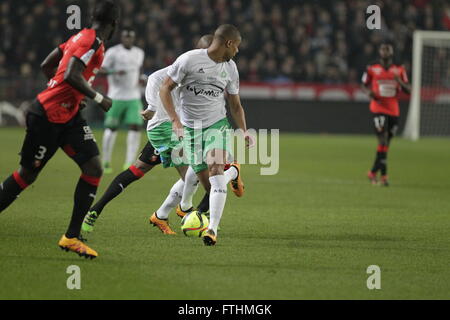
(429, 108)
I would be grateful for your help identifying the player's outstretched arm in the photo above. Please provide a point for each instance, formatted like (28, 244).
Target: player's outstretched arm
(237, 111)
(50, 63)
(166, 99)
(238, 115)
(74, 77)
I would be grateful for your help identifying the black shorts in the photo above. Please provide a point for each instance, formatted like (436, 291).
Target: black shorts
(43, 138)
(148, 155)
(385, 123)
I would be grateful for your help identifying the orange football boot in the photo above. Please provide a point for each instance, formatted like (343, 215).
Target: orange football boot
(77, 246)
(237, 185)
(162, 224)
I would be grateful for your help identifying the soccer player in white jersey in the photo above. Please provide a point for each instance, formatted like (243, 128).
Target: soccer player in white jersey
(156, 151)
(123, 64)
(203, 77)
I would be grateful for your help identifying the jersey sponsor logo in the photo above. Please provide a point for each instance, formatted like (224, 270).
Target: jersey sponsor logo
(88, 135)
(87, 56)
(204, 92)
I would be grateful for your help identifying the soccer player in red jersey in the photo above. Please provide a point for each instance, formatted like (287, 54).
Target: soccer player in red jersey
(382, 82)
(54, 121)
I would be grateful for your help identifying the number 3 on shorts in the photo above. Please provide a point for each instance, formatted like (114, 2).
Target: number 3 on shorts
(41, 153)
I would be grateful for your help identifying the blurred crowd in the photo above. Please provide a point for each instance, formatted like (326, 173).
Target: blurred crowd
(283, 41)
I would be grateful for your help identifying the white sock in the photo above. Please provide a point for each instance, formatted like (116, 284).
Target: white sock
(230, 174)
(172, 200)
(109, 139)
(217, 198)
(190, 187)
(133, 142)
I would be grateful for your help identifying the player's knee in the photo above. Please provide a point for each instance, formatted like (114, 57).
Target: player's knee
(142, 166)
(215, 169)
(93, 168)
(28, 175)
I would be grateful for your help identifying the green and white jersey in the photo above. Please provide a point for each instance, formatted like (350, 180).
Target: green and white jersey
(154, 83)
(203, 83)
(119, 58)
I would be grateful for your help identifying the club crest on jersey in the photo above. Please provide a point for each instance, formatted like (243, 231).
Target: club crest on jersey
(223, 74)
(377, 70)
(203, 92)
(395, 71)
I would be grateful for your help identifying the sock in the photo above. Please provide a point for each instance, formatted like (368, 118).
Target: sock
(117, 186)
(383, 162)
(133, 142)
(204, 204)
(190, 187)
(109, 138)
(83, 198)
(380, 158)
(230, 174)
(217, 198)
(10, 189)
(172, 200)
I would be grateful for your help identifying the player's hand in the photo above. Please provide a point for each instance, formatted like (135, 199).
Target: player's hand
(106, 104)
(249, 140)
(177, 127)
(147, 114)
(398, 79)
(83, 104)
(372, 95)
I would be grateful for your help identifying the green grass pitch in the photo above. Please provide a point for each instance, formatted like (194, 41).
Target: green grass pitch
(309, 232)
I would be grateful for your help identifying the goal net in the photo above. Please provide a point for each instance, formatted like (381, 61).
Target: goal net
(429, 109)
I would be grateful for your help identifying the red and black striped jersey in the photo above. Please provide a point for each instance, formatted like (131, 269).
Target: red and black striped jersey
(60, 100)
(382, 82)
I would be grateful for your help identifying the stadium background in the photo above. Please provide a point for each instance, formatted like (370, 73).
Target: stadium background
(300, 59)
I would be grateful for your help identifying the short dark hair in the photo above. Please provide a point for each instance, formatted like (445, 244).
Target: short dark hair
(205, 41)
(386, 43)
(106, 11)
(227, 32)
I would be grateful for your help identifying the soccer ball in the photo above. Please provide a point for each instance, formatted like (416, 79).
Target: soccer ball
(194, 224)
